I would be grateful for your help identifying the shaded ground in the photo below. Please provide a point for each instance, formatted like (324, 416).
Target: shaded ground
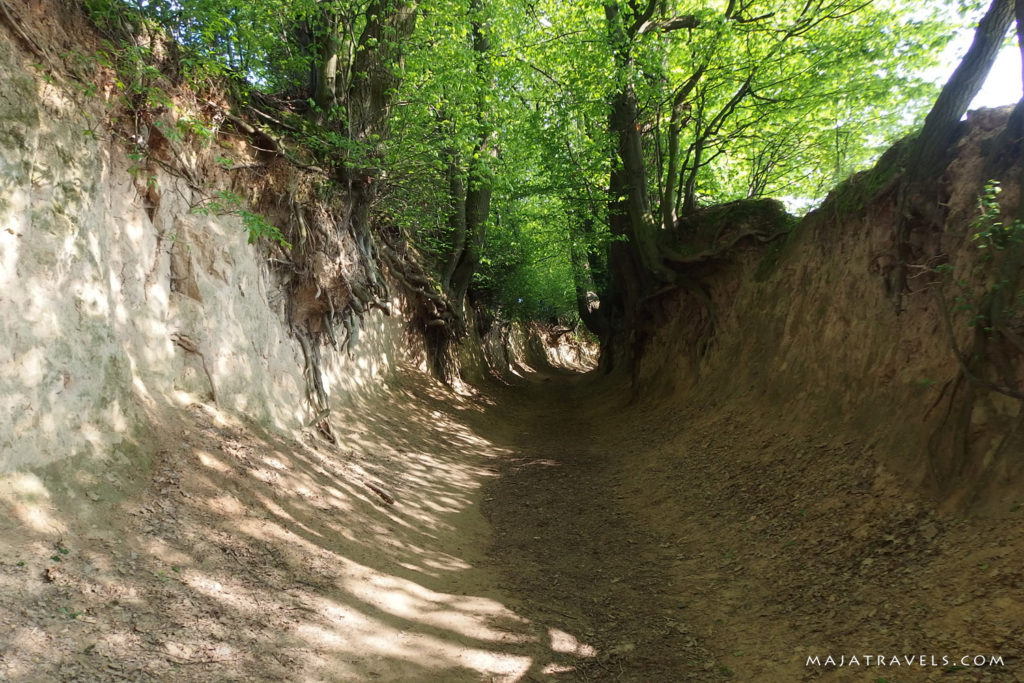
(566, 538)
(548, 531)
(243, 556)
(692, 544)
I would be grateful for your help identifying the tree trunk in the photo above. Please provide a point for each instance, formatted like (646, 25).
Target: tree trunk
(325, 79)
(1009, 143)
(472, 200)
(631, 185)
(477, 209)
(920, 200)
(376, 70)
(690, 186)
(585, 260)
(939, 126)
(1018, 7)
(680, 117)
(456, 219)
(636, 264)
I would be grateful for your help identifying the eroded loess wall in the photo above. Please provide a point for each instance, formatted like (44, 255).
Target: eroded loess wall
(808, 336)
(119, 302)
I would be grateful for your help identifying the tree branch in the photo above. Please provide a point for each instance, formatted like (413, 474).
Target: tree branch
(667, 25)
(751, 20)
(642, 17)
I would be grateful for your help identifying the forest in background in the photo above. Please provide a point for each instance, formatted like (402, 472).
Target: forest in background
(542, 158)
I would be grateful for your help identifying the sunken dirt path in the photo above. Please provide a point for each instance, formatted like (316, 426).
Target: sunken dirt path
(565, 539)
(713, 544)
(546, 531)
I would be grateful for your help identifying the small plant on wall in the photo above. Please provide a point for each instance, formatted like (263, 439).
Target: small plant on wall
(992, 232)
(991, 297)
(224, 202)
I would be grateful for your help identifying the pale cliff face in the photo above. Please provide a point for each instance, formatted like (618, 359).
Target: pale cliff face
(117, 301)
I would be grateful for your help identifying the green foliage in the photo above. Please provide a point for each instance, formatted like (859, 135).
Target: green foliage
(787, 100)
(990, 294)
(224, 36)
(821, 102)
(256, 225)
(991, 232)
(824, 100)
(140, 84)
(527, 273)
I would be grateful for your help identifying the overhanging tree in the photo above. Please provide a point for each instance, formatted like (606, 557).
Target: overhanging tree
(776, 58)
(621, 115)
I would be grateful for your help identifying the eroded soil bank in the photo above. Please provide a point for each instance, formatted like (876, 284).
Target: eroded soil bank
(548, 530)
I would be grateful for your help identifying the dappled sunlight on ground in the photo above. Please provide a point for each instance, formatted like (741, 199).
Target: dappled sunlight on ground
(250, 556)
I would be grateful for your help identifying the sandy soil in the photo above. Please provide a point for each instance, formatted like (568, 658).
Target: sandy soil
(697, 543)
(238, 555)
(552, 530)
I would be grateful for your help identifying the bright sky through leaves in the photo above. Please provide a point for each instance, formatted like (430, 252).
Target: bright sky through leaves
(1004, 81)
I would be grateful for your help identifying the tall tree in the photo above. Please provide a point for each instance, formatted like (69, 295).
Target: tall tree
(932, 144)
(920, 201)
(471, 189)
(718, 79)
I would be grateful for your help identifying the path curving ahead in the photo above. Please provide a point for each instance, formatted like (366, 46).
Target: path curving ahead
(555, 529)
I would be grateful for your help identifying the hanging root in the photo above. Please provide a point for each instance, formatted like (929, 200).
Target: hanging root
(24, 35)
(437, 308)
(315, 391)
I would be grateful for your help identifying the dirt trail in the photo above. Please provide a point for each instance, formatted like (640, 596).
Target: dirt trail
(708, 543)
(547, 531)
(240, 555)
(566, 539)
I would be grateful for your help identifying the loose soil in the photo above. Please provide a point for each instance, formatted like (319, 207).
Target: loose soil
(556, 529)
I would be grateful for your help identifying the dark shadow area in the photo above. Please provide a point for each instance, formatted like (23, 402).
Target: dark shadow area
(564, 538)
(694, 542)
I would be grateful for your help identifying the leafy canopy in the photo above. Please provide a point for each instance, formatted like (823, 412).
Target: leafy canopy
(756, 98)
